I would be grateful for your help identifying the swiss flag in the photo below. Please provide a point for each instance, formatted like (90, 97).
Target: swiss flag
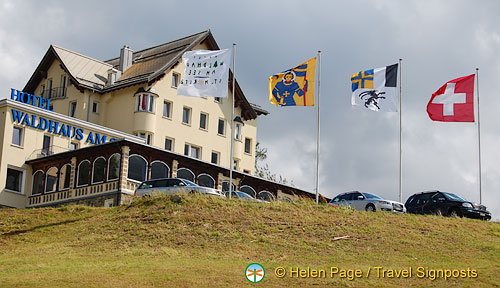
(454, 101)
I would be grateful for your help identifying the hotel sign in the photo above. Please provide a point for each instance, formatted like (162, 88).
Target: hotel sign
(51, 126)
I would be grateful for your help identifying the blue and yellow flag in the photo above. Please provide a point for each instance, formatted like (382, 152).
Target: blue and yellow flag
(294, 87)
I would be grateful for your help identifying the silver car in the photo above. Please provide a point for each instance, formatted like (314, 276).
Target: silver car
(367, 201)
(170, 186)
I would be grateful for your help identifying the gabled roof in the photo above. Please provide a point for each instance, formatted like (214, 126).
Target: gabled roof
(148, 66)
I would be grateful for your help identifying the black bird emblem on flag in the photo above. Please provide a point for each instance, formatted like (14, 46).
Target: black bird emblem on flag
(371, 97)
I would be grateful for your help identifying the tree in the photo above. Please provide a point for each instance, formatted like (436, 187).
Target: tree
(263, 171)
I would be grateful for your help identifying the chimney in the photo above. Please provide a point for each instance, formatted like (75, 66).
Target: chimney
(112, 75)
(125, 58)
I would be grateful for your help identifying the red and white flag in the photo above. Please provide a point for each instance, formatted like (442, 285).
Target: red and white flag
(454, 101)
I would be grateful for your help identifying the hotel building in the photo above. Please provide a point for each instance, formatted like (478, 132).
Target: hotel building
(89, 131)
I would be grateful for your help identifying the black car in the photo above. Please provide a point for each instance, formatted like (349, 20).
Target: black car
(447, 204)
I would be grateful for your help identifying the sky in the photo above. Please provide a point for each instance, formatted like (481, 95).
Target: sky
(437, 41)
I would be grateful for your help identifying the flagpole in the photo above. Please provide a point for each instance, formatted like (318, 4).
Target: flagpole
(400, 136)
(318, 131)
(232, 125)
(479, 135)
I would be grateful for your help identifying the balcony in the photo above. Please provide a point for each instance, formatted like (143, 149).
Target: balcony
(75, 194)
(55, 93)
(39, 153)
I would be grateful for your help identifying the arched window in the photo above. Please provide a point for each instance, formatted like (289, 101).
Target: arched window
(159, 170)
(83, 173)
(37, 183)
(206, 180)
(98, 170)
(114, 167)
(225, 186)
(265, 195)
(64, 177)
(137, 168)
(249, 190)
(51, 180)
(185, 173)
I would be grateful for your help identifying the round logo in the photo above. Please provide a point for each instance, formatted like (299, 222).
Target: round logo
(255, 272)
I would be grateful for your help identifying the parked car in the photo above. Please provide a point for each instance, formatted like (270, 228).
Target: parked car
(367, 201)
(242, 196)
(446, 204)
(172, 186)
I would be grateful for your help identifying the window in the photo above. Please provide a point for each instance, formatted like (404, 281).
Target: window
(206, 180)
(51, 180)
(265, 195)
(95, 107)
(73, 146)
(237, 132)
(192, 151)
(64, 177)
(14, 181)
(167, 109)
(37, 183)
(17, 136)
(248, 145)
(49, 88)
(175, 79)
(203, 121)
(169, 144)
(217, 100)
(159, 170)
(137, 168)
(72, 109)
(98, 170)
(63, 86)
(42, 90)
(114, 167)
(186, 115)
(221, 129)
(83, 173)
(236, 164)
(215, 157)
(246, 171)
(249, 190)
(46, 146)
(185, 173)
(225, 186)
(145, 103)
(146, 136)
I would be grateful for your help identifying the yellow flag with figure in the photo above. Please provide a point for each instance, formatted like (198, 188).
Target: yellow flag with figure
(294, 87)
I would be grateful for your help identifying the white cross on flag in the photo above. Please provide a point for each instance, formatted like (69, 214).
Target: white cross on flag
(454, 101)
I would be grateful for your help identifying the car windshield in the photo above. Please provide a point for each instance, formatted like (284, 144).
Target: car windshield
(189, 183)
(452, 196)
(243, 195)
(371, 196)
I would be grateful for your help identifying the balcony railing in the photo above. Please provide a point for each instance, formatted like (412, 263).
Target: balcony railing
(55, 93)
(53, 149)
(72, 194)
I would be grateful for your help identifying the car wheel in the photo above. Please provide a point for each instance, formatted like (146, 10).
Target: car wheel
(454, 212)
(370, 208)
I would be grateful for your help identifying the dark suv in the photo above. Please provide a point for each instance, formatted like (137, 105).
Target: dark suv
(447, 204)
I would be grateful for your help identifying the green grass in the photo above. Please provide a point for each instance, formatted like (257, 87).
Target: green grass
(196, 241)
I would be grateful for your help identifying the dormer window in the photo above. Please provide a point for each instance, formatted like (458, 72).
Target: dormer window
(145, 101)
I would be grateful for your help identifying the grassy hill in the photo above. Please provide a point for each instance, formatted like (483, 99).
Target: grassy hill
(196, 241)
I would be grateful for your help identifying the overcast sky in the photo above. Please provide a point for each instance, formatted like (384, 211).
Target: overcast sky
(437, 40)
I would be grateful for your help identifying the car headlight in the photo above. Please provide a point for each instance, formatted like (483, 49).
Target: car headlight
(467, 205)
(384, 202)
